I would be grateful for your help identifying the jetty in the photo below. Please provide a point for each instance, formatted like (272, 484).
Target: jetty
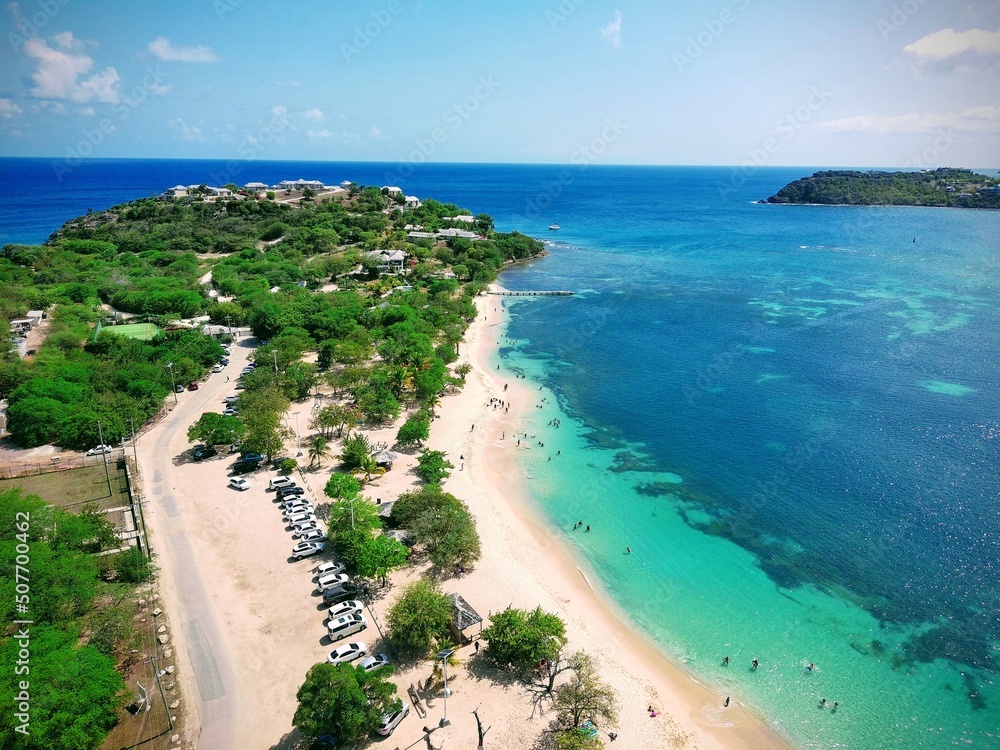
(548, 293)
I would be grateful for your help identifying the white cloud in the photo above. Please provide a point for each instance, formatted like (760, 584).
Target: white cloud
(950, 43)
(613, 31)
(9, 110)
(974, 120)
(162, 49)
(377, 134)
(311, 114)
(64, 39)
(319, 133)
(186, 132)
(86, 111)
(58, 71)
(292, 84)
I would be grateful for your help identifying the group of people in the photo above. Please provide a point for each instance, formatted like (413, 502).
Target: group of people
(579, 524)
(753, 667)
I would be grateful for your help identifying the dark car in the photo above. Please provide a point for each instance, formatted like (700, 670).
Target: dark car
(192, 386)
(203, 451)
(178, 388)
(349, 590)
(288, 492)
(256, 457)
(224, 361)
(242, 466)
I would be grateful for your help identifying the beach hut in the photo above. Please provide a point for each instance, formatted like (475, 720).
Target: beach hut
(385, 458)
(463, 617)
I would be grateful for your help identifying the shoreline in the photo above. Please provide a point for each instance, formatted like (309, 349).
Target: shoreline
(625, 657)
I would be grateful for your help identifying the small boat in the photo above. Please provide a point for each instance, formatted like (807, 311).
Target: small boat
(553, 226)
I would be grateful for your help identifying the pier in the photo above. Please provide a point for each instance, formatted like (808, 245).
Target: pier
(550, 293)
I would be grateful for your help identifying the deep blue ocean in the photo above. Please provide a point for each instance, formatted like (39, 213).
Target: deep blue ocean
(791, 414)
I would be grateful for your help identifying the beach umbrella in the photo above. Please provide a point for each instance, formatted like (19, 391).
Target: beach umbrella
(385, 457)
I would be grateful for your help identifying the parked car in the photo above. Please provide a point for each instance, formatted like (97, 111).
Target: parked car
(239, 385)
(296, 504)
(347, 625)
(224, 361)
(371, 663)
(230, 412)
(391, 720)
(344, 608)
(347, 653)
(99, 450)
(313, 536)
(289, 493)
(330, 567)
(242, 467)
(280, 481)
(303, 530)
(332, 580)
(231, 399)
(305, 549)
(192, 386)
(350, 590)
(239, 483)
(203, 451)
(258, 457)
(298, 519)
(217, 368)
(178, 388)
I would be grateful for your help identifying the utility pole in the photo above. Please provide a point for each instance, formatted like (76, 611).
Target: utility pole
(443, 656)
(135, 455)
(107, 471)
(298, 445)
(275, 353)
(173, 385)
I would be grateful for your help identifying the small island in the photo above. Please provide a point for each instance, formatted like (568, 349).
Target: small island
(947, 187)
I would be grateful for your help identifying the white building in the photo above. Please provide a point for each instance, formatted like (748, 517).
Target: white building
(255, 187)
(391, 190)
(300, 184)
(412, 201)
(177, 191)
(464, 218)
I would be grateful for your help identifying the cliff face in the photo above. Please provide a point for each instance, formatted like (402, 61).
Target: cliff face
(959, 188)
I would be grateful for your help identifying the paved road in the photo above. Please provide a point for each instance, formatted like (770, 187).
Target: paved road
(196, 624)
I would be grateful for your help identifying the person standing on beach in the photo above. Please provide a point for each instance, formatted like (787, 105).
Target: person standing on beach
(727, 702)
(754, 664)
(725, 662)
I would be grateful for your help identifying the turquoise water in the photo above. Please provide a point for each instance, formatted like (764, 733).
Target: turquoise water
(790, 414)
(791, 417)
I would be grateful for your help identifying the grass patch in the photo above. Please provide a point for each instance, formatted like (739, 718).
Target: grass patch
(67, 488)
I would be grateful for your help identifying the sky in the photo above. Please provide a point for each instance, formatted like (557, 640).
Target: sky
(877, 83)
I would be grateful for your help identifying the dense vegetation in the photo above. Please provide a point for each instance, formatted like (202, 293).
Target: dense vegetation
(148, 257)
(344, 702)
(959, 188)
(75, 645)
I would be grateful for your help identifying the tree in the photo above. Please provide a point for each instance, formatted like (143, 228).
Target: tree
(344, 701)
(369, 467)
(334, 419)
(216, 429)
(81, 693)
(585, 696)
(354, 450)
(342, 486)
(378, 555)
(449, 533)
(433, 467)
(576, 738)
(414, 430)
(319, 448)
(353, 515)
(520, 640)
(419, 617)
(133, 566)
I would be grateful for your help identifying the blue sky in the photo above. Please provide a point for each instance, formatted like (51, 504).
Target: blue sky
(851, 83)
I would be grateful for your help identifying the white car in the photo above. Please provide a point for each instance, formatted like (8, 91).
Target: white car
(347, 653)
(230, 399)
(239, 483)
(217, 368)
(330, 567)
(299, 504)
(98, 450)
(297, 519)
(280, 482)
(306, 549)
(332, 580)
(295, 510)
(305, 530)
(371, 663)
(345, 608)
(391, 721)
(230, 412)
(313, 536)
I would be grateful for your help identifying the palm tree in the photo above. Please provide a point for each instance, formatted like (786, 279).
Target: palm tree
(369, 467)
(431, 402)
(319, 448)
(436, 679)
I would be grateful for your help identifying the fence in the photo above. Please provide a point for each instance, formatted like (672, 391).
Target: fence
(56, 463)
